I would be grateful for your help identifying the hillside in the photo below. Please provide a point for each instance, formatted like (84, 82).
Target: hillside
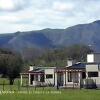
(88, 34)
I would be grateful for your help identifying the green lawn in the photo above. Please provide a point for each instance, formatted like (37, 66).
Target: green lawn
(29, 93)
(64, 95)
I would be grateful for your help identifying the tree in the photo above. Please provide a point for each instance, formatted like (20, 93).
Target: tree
(10, 65)
(59, 56)
(13, 68)
(78, 52)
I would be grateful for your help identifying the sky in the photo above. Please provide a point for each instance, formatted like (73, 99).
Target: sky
(28, 15)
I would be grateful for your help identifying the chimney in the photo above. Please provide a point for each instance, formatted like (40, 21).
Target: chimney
(31, 68)
(70, 62)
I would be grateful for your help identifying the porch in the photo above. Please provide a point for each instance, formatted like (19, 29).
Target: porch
(69, 78)
(34, 78)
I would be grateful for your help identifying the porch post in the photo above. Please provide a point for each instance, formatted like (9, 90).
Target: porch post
(86, 75)
(21, 77)
(55, 79)
(39, 77)
(79, 78)
(29, 77)
(64, 78)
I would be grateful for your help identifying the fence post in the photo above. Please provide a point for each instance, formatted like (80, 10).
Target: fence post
(35, 87)
(80, 83)
(95, 84)
(87, 84)
(18, 85)
(27, 87)
(57, 85)
(73, 85)
(3, 85)
(43, 88)
(10, 87)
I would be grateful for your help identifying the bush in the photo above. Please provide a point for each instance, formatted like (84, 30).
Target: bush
(89, 84)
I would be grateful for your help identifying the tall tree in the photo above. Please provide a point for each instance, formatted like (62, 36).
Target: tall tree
(10, 65)
(59, 56)
(14, 67)
(78, 52)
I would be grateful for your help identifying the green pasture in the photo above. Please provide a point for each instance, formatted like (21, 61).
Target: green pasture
(63, 95)
(48, 93)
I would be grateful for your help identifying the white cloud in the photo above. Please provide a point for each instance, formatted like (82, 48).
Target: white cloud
(46, 14)
(62, 6)
(12, 5)
(8, 19)
(6, 4)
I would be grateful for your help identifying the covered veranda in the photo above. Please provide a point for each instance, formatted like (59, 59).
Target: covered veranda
(34, 78)
(70, 76)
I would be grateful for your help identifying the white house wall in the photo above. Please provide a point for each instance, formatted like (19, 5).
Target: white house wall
(49, 80)
(91, 67)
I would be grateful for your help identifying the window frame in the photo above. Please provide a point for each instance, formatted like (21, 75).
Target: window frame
(93, 74)
(48, 76)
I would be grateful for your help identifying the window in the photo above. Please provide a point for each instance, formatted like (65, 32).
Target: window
(49, 76)
(92, 74)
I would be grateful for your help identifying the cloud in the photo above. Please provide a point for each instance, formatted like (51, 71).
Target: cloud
(62, 6)
(46, 14)
(6, 19)
(13, 5)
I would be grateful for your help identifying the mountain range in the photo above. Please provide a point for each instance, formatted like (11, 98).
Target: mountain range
(88, 34)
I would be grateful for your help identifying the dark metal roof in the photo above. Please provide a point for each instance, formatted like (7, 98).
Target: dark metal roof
(77, 66)
(37, 70)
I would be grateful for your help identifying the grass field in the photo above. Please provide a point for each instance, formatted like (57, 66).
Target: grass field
(29, 93)
(61, 95)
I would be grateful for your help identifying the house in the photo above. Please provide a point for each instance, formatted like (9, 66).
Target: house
(74, 74)
(93, 68)
(40, 76)
(53, 76)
